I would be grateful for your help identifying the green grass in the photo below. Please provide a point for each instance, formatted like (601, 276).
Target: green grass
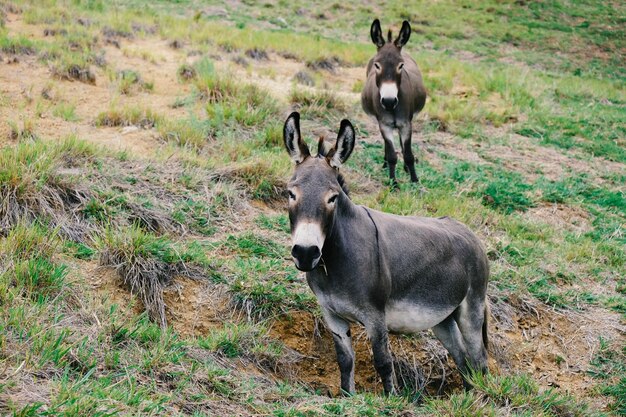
(27, 252)
(18, 45)
(127, 116)
(258, 279)
(65, 111)
(493, 395)
(191, 132)
(30, 184)
(609, 365)
(317, 104)
(246, 341)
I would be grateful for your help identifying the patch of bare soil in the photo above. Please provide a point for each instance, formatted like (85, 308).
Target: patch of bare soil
(425, 358)
(34, 92)
(555, 347)
(194, 306)
(107, 285)
(561, 217)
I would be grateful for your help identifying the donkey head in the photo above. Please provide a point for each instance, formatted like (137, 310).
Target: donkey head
(314, 190)
(388, 63)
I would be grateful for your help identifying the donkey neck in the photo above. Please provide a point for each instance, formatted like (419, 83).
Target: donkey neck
(350, 225)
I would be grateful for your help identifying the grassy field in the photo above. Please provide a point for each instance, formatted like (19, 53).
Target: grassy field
(144, 241)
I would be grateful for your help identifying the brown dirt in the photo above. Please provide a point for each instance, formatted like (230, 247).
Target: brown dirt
(194, 307)
(308, 336)
(555, 347)
(108, 287)
(561, 217)
(27, 79)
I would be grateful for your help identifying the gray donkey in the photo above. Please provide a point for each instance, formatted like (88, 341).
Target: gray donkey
(394, 92)
(387, 272)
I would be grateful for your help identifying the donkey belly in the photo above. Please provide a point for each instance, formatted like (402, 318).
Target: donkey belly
(408, 317)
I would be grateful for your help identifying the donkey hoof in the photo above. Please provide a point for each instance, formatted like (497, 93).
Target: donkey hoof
(385, 165)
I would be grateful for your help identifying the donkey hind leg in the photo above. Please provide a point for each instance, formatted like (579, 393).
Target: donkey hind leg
(406, 131)
(450, 337)
(391, 159)
(470, 317)
(340, 329)
(377, 332)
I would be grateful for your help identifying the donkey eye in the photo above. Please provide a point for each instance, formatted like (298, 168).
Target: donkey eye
(400, 66)
(332, 199)
(377, 66)
(292, 196)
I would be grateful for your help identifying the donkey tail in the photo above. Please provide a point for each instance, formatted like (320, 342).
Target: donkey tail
(485, 326)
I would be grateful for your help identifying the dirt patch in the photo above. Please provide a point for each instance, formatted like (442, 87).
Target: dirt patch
(108, 285)
(30, 82)
(194, 306)
(556, 347)
(318, 367)
(450, 145)
(561, 217)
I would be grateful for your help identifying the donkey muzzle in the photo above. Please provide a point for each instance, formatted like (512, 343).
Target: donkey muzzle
(306, 258)
(389, 95)
(389, 103)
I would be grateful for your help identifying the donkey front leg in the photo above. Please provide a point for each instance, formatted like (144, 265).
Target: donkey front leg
(406, 132)
(377, 332)
(340, 329)
(391, 159)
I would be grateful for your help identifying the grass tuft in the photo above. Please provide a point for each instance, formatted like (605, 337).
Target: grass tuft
(127, 116)
(32, 186)
(317, 103)
(146, 264)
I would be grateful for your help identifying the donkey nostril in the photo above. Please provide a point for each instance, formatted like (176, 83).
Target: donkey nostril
(389, 102)
(305, 253)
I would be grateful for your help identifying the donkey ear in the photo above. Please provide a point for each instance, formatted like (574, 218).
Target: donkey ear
(293, 141)
(377, 34)
(403, 36)
(344, 145)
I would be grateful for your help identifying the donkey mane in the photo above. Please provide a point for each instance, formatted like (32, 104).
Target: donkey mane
(342, 184)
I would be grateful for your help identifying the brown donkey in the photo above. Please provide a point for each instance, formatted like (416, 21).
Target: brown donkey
(394, 92)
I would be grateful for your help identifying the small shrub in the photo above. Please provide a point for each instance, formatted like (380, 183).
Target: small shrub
(17, 46)
(187, 72)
